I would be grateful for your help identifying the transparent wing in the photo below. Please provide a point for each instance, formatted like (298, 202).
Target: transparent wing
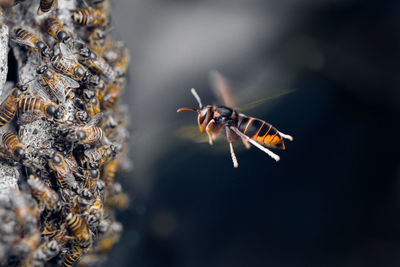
(95, 120)
(38, 90)
(70, 179)
(72, 165)
(21, 41)
(192, 133)
(263, 100)
(69, 82)
(221, 88)
(105, 68)
(67, 53)
(57, 86)
(93, 154)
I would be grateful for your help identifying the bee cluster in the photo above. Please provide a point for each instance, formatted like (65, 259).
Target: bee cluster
(63, 130)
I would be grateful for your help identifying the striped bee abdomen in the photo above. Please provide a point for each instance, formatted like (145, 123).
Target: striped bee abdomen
(72, 256)
(78, 227)
(8, 109)
(13, 146)
(58, 64)
(260, 131)
(11, 141)
(81, 16)
(29, 104)
(23, 34)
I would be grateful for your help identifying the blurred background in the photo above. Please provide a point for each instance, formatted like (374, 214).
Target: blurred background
(332, 200)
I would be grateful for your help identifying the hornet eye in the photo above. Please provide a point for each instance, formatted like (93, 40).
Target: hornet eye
(202, 116)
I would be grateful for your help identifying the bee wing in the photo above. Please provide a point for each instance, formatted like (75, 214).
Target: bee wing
(93, 154)
(105, 68)
(72, 164)
(95, 120)
(38, 90)
(221, 88)
(69, 82)
(67, 53)
(70, 179)
(21, 41)
(32, 183)
(57, 86)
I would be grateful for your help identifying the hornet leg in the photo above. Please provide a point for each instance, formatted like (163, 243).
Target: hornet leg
(254, 143)
(245, 143)
(208, 130)
(286, 136)
(233, 156)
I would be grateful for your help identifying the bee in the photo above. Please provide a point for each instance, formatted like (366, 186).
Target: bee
(91, 178)
(82, 116)
(110, 126)
(120, 66)
(8, 107)
(95, 157)
(95, 211)
(109, 100)
(227, 121)
(46, 6)
(89, 17)
(88, 133)
(44, 194)
(97, 63)
(61, 86)
(100, 88)
(92, 104)
(49, 249)
(97, 41)
(82, 202)
(72, 256)
(63, 173)
(73, 165)
(77, 225)
(111, 97)
(23, 37)
(118, 200)
(109, 171)
(58, 234)
(67, 64)
(110, 237)
(54, 28)
(13, 146)
(37, 105)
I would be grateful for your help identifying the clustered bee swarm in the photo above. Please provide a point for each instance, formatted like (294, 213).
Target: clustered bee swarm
(62, 126)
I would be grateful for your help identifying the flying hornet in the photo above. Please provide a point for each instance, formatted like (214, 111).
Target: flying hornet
(224, 120)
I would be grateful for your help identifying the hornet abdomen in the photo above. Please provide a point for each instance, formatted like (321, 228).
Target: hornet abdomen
(260, 131)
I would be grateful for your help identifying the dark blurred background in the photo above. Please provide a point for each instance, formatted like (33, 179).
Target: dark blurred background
(332, 200)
